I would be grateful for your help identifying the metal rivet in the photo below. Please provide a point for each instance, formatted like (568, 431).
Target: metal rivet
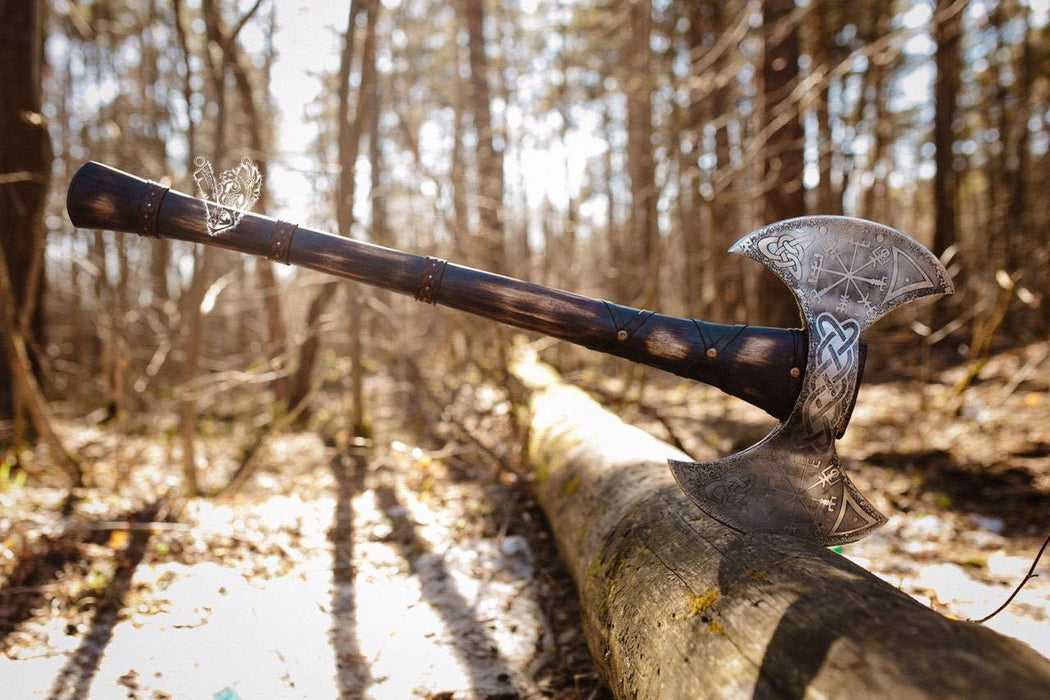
(621, 335)
(712, 353)
(795, 372)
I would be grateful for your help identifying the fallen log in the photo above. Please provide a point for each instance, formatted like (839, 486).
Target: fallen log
(676, 605)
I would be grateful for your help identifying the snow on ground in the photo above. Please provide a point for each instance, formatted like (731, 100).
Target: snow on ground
(359, 579)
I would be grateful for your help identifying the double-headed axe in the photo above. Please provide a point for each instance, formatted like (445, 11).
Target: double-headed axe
(845, 273)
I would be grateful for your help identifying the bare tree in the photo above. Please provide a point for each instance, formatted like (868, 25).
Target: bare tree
(947, 32)
(349, 143)
(784, 194)
(645, 232)
(256, 119)
(30, 396)
(826, 54)
(25, 166)
(191, 299)
(489, 152)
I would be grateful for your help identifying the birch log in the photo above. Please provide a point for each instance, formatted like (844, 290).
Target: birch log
(676, 605)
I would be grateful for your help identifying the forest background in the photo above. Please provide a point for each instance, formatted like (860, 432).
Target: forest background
(616, 149)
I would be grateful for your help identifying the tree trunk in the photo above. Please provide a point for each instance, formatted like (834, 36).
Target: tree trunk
(368, 108)
(358, 416)
(827, 55)
(691, 233)
(1018, 174)
(21, 373)
(644, 243)
(119, 345)
(187, 409)
(677, 605)
(457, 175)
(876, 196)
(257, 120)
(191, 312)
(311, 345)
(380, 230)
(689, 175)
(947, 33)
(490, 155)
(613, 234)
(719, 279)
(25, 161)
(785, 197)
(203, 255)
(157, 152)
(101, 293)
(349, 133)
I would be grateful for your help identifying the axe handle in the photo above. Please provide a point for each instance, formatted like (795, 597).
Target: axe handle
(762, 366)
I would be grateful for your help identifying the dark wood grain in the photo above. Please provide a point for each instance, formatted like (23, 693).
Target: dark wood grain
(762, 366)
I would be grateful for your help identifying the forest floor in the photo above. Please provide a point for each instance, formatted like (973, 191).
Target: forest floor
(381, 569)
(344, 568)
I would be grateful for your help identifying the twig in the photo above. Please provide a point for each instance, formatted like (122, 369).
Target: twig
(247, 467)
(18, 590)
(495, 460)
(232, 36)
(1021, 376)
(157, 526)
(1027, 577)
(984, 335)
(20, 176)
(497, 463)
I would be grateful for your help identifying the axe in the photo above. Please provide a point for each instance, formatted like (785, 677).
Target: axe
(845, 273)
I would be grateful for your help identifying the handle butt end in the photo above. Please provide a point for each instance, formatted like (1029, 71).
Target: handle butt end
(101, 197)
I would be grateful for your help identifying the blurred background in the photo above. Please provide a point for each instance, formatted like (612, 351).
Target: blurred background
(616, 149)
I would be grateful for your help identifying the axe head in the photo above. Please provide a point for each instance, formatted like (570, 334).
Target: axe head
(845, 273)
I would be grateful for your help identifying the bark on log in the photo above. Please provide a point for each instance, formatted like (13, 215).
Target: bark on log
(677, 605)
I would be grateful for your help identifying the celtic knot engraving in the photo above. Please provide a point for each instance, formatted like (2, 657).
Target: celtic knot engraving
(825, 407)
(785, 252)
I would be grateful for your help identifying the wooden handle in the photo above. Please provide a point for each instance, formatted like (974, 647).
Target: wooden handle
(759, 365)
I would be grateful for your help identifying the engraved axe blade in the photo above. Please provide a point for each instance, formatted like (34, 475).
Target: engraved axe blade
(845, 273)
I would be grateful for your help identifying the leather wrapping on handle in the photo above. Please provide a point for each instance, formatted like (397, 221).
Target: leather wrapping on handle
(750, 362)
